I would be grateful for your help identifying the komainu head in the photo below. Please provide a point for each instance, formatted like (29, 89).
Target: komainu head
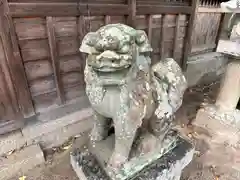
(114, 47)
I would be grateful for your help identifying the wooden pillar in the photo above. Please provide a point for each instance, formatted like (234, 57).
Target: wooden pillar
(150, 29)
(55, 60)
(132, 4)
(13, 66)
(176, 34)
(229, 94)
(188, 39)
(82, 31)
(162, 42)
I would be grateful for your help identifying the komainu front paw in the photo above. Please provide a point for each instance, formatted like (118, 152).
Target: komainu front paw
(98, 135)
(116, 161)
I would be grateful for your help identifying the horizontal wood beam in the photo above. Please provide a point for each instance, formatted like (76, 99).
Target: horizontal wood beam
(158, 9)
(209, 10)
(216, 10)
(65, 9)
(75, 9)
(197, 49)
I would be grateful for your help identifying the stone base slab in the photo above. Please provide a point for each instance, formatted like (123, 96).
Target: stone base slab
(223, 127)
(20, 162)
(168, 167)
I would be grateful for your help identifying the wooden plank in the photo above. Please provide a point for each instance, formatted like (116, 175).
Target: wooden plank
(209, 10)
(6, 106)
(38, 69)
(4, 39)
(66, 27)
(203, 49)
(107, 19)
(157, 2)
(158, 9)
(71, 63)
(30, 28)
(150, 23)
(82, 31)
(7, 126)
(43, 9)
(220, 28)
(65, 9)
(16, 67)
(132, 4)
(68, 46)
(176, 36)
(215, 10)
(188, 40)
(34, 49)
(162, 36)
(106, 9)
(42, 86)
(54, 58)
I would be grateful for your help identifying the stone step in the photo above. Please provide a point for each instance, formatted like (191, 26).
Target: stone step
(21, 161)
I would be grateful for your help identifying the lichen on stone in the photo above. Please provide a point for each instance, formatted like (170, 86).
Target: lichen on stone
(118, 69)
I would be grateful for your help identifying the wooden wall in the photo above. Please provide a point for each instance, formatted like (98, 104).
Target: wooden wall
(49, 35)
(42, 38)
(207, 27)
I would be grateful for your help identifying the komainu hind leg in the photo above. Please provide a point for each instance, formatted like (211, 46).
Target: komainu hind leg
(161, 127)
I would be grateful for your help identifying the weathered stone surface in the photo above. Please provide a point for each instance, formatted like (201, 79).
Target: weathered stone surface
(21, 161)
(229, 47)
(126, 92)
(222, 127)
(205, 68)
(230, 88)
(138, 159)
(11, 141)
(168, 167)
(59, 128)
(60, 136)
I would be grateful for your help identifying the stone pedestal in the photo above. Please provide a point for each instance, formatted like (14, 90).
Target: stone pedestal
(165, 165)
(221, 121)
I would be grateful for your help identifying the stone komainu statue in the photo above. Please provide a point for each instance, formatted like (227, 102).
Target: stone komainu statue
(126, 91)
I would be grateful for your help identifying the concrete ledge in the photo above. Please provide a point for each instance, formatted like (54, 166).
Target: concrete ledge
(60, 136)
(32, 131)
(205, 68)
(10, 142)
(48, 134)
(21, 162)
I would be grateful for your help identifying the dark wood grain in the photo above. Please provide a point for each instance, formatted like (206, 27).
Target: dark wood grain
(220, 28)
(107, 19)
(17, 75)
(188, 39)
(158, 9)
(54, 58)
(48, 49)
(162, 37)
(132, 4)
(149, 19)
(65, 9)
(176, 36)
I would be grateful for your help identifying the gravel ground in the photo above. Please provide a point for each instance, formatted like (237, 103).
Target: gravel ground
(58, 166)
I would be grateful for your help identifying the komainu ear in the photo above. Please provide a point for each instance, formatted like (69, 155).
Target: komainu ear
(88, 43)
(142, 42)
